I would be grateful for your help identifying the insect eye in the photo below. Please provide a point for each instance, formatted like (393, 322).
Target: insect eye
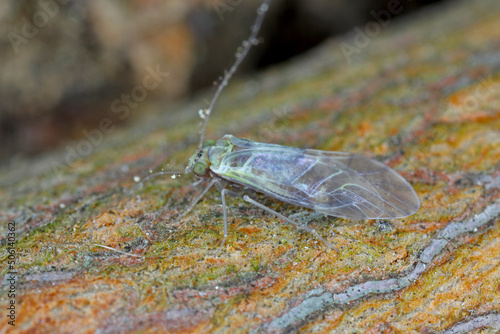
(208, 142)
(200, 168)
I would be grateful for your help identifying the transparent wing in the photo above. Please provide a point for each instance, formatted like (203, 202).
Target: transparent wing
(334, 183)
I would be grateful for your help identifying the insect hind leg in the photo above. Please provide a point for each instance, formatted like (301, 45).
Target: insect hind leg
(288, 220)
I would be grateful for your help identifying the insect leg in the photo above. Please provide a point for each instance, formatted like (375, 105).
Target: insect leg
(191, 206)
(288, 220)
(223, 193)
(224, 210)
(197, 199)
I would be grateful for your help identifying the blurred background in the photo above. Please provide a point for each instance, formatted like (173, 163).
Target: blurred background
(67, 64)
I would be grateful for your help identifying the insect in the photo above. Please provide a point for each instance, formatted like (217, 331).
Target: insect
(338, 184)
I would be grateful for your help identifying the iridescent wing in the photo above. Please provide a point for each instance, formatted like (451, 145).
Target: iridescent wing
(334, 183)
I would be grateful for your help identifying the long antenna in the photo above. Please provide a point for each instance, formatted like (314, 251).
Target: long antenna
(247, 45)
(150, 176)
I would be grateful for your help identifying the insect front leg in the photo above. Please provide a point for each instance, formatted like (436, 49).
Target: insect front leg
(197, 199)
(193, 203)
(288, 220)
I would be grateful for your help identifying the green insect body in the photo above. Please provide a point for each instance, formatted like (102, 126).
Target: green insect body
(339, 184)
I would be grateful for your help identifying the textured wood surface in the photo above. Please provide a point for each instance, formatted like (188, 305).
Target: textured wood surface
(423, 96)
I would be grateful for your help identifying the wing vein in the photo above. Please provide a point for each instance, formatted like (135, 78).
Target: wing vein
(334, 183)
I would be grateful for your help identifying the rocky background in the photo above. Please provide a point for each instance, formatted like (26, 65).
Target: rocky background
(64, 62)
